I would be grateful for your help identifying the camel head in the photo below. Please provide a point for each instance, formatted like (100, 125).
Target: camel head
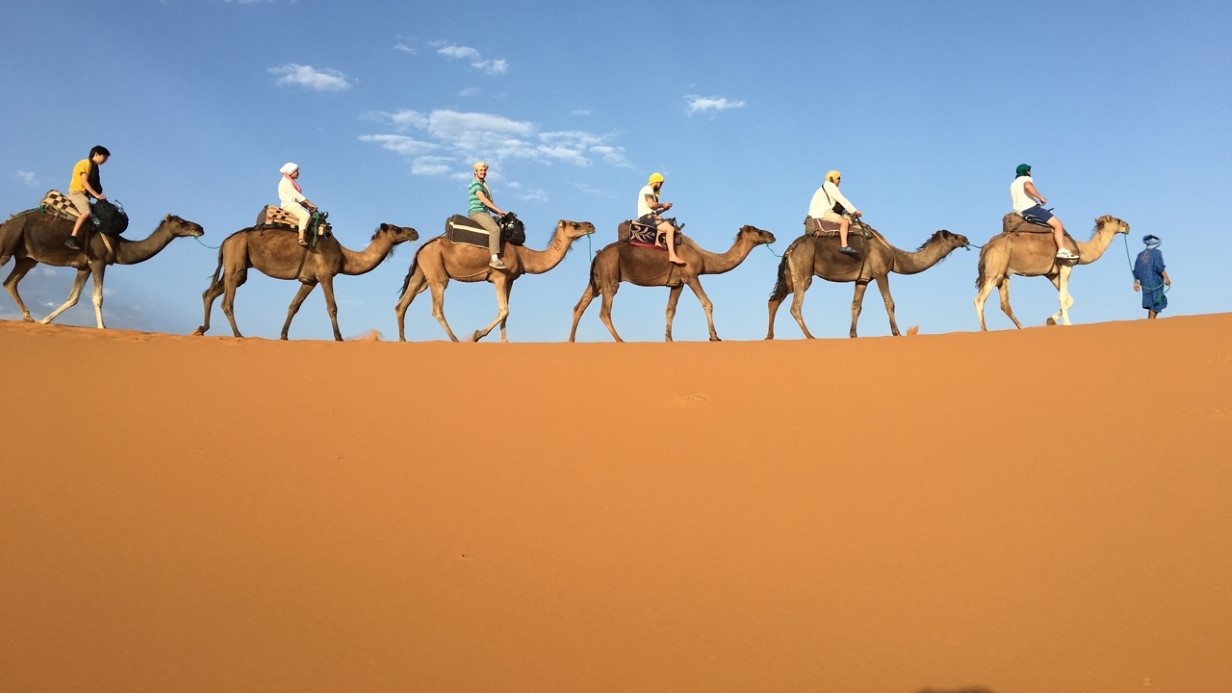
(182, 228)
(574, 229)
(949, 240)
(398, 234)
(756, 235)
(1121, 225)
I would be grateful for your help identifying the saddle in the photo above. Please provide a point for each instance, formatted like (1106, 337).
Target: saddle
(1016, 223)
(57, 204)
(830, 228)
(636, 233)
(274, 217)
(460, 229)
(108, 217)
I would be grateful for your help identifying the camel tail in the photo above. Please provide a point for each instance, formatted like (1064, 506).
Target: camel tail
(217, 271)
(780, 283)
(410, 272)
(979, 276)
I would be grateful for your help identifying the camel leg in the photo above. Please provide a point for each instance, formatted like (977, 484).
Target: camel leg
(502, 285)
(707, 306)
(296, 302)
(981, 297)
(605, 310)
(414, 286)
(673, 295)
(797, 306)
(78, 282)
(583, 303)
(883, 285)
(508, 291)
(232, 282)
(20, 267)
(773, 306)
(331, 305)
(438, 307)
(857, 302)
(1003, 288)
(211, 293)
(97, 292)
(1064, 299)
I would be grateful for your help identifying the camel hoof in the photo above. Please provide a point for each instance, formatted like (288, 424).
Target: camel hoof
(476, 336)
(1050, 322)
(198, 332)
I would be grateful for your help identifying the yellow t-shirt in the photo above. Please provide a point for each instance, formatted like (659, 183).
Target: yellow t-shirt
(80, 171)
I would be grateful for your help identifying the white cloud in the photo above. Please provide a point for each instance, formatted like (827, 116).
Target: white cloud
(472, 56)
(400, 144)
(580, 112)
(28, 178)
(469, 92)
(703, 104)
(451, 140)
(404, 48)
(309, 77)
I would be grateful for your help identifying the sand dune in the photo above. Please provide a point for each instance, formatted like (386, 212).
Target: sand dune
(939, 512)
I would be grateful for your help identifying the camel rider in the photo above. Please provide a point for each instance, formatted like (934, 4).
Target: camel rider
(83, 185)
(648, 208)
(1028, 202)
(291, 198)
(828, 204)
(480, 209)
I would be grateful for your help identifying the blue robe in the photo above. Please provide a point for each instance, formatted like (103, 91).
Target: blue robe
(1149, 271)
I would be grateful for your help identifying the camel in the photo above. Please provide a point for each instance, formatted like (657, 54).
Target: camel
(621, 262)
(440, 260)
(1033, 255)
(275, 253)
(36, 237)
(809, 255)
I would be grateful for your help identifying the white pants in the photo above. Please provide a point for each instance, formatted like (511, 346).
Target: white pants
(301, 215)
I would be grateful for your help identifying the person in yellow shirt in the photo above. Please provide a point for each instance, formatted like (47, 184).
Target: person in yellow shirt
(83, 185)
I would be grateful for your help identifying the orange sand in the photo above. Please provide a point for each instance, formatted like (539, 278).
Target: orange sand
(882, 514)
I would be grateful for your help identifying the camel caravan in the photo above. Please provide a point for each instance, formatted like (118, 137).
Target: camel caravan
(295, 242)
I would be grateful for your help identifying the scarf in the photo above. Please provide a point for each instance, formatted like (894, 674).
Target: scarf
(293, 182)
(1152, 242)
(92, 176)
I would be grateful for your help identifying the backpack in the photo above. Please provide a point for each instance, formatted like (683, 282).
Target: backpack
(512, 229)
(110, 216)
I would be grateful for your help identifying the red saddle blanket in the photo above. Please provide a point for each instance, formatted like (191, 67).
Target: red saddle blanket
(1014, 223)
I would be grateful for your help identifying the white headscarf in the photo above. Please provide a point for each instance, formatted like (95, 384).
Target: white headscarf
(289, 168)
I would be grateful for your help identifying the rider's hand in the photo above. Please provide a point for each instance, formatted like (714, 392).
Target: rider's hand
(1135, 286)
(857, 213)
(101, 197)
(1043, 201)
(666, 206)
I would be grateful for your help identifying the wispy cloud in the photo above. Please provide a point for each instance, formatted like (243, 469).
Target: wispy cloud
(404, 47)
(472, 56)
(28, 178)
(457, 137)
(711, 104)
(309, 77)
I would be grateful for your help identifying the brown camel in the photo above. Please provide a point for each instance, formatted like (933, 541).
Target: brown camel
(809, 255)
(36, 237)
(621, 262)
(1033, 255)
(276, 253)
(440, 260)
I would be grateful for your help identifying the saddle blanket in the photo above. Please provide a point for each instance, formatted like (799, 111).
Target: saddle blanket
(58, 204)
(274, 217)
(460, 229)
(815, 225)
(636, 233)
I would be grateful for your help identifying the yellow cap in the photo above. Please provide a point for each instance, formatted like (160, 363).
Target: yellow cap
(832, 175)
(655, 177)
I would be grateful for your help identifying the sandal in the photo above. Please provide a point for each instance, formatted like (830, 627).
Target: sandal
(303, 242)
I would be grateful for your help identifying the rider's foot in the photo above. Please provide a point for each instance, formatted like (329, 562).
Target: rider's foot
(72, 243)
(496, 263)
(303, 241)
(675, 261)
(848, 250)
(1065, 254)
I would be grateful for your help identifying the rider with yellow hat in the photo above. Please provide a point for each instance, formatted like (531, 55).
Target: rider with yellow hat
(648, 209)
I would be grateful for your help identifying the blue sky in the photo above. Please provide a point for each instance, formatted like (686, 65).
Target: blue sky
(1121, 108)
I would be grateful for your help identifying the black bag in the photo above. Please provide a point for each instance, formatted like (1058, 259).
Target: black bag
(512, 229)
(110, 217)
